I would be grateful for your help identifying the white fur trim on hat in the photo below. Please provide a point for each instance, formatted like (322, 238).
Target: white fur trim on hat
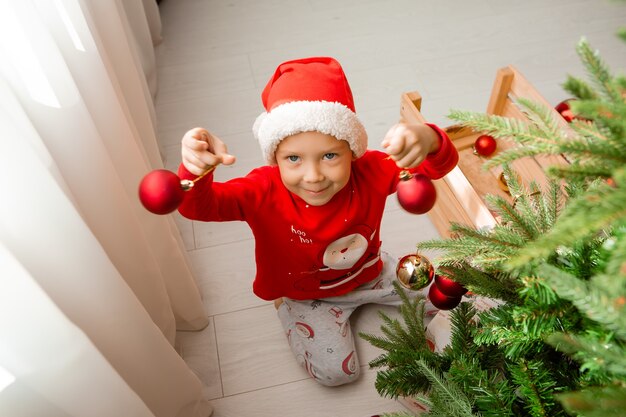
(288, 119)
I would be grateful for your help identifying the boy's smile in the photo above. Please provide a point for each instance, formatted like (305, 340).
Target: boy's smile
(314, 166)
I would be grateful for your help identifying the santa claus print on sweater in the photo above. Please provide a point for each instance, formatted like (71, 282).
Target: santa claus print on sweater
(338, 260)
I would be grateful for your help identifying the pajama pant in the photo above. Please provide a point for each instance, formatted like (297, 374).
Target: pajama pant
(319, 332)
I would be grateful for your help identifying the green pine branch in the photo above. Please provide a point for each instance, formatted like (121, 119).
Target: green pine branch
(615, 247)
(518, 331)
(467, 242)
(575, 171)
(582, 146)
(462, 329)
(402, 377)
(598, 72)
(536, 290)
(536, 386)
(403, 344)
(494, 284)
(412, 312)
(484, 380)
(601, 207)
(540, 117)
(604, 305)
(446, 398)
(557, 258)
(579, 88)
(527, 219)
(609, 401)
(519, 225)
(600, 354)
(534, 140)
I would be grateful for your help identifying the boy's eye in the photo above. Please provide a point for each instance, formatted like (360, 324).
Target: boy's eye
(330, 155)
(293, 158)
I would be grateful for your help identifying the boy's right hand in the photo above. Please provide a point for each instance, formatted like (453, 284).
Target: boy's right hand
(200, 150)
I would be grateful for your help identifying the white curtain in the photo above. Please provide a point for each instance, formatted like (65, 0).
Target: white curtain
(92, 286)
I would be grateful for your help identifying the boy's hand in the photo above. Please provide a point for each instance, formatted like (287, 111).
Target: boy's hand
(201, 150)
(410, 144)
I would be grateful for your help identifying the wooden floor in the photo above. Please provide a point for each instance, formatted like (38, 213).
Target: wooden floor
(215, 59)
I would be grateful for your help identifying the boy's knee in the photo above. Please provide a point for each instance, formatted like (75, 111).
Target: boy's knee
(335, 374)
(334, 379)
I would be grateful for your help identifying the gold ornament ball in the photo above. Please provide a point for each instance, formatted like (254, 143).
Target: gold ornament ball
(414, 271)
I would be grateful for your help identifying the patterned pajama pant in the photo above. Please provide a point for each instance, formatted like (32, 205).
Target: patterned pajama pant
(319, 331)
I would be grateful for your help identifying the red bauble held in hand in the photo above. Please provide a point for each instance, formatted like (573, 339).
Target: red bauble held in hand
(416, 193)
(161, 192)
(440, 300)
(485, 145)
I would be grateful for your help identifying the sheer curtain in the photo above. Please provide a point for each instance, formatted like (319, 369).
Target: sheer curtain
(92, 286)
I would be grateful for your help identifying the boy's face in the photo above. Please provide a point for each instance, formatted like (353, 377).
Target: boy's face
(314, 166)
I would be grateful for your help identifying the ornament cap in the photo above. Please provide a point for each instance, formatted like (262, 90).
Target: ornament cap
(405, 175)
(186, 184)
(504, 186)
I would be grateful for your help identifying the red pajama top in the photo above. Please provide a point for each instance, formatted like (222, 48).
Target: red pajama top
(308, 252)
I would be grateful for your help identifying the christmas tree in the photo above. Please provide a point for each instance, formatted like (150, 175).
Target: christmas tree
(556, 346)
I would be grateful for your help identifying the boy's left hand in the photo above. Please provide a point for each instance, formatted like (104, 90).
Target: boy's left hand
(410, 144)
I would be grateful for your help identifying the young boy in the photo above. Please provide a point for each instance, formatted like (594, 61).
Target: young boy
(315, 210)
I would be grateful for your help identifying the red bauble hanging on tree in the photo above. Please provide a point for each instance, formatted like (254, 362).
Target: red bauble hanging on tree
(485, 145)
(416, 192)
(442, 301)
(449, 287)
(160, 191)
(563, 108)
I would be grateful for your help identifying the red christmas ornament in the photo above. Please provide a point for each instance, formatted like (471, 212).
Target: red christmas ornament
(563, 108)
(416, 193)
(161, 192)
(414, 271)
(611, 182)
(485, 145)
(442, 301)
(431, 345)
(568, 115)
(449, 287)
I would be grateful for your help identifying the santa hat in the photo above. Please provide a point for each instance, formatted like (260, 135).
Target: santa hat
(304, 95)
